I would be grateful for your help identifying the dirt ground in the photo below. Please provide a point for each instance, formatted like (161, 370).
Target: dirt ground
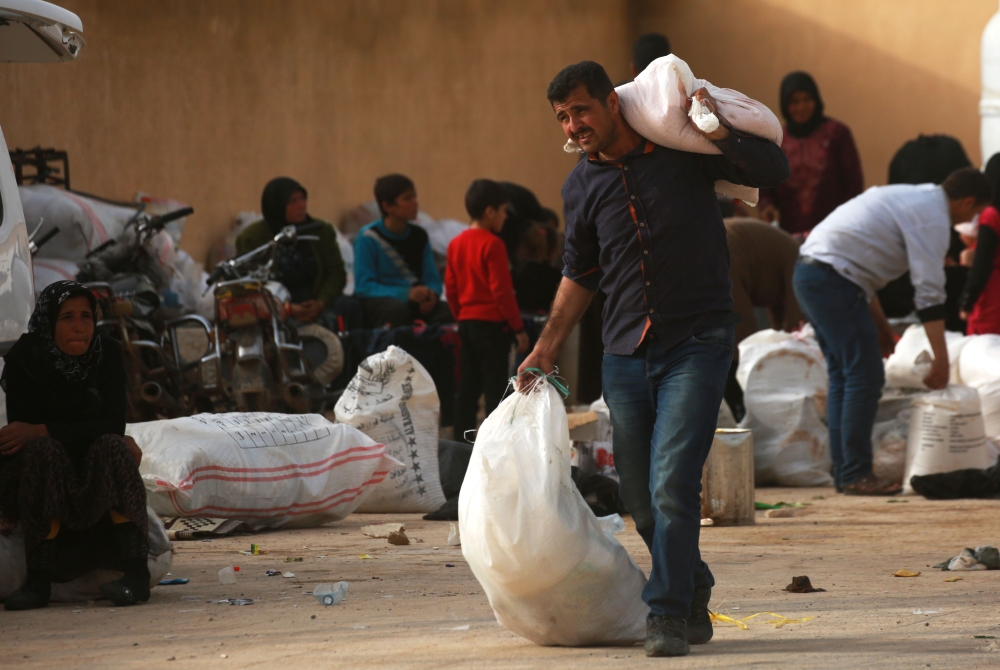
(408, 608)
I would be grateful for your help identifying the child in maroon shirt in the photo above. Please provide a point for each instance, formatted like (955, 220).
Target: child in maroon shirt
(480, 293)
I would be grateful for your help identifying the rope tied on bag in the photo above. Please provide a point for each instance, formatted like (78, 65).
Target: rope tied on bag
(553, 379)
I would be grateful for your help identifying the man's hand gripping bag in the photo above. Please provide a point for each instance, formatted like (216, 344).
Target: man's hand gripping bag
(551, 574)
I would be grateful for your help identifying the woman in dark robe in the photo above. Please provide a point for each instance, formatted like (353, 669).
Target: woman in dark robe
(822, 156)
(67, 473)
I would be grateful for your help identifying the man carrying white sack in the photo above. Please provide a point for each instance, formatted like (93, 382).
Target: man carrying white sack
(855, 251)
(643, 225)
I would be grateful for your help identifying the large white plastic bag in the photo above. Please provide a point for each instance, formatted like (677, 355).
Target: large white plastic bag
(911, 360)
(552, 575)
(13, 570)
(655, 105)
(979, 361)
(269, 470)
(784, 382)
(946, 434)
(392, 399)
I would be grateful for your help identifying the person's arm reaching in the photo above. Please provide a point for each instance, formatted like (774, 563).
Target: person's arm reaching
(886, 335)
(982, 267)
(570, 304)
(937, 378)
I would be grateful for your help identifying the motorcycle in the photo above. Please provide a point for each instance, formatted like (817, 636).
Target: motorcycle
(256, 361)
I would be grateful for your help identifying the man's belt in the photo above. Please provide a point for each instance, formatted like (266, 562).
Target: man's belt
(809, 260)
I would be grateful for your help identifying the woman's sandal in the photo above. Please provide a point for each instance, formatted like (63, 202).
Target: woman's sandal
(26, 599)
(870, 485)
(124, 592)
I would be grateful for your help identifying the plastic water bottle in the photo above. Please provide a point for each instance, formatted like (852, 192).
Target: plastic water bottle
(330, 594)
(227, 575)
(612, 524)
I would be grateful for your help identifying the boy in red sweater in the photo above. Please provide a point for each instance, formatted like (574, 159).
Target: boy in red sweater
(480, 293)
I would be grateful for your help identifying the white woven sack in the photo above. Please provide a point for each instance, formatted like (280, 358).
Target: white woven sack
(911, 360)
(48, 271)
(979, 361)
(551, 573)
(268, 470)
(946, 434)
(655, 105)
(784, 382)
(13, 570)
(393, 400)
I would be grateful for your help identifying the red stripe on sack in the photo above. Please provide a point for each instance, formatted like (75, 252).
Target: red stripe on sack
(95, 221)
(270, 512)
(293, 466)
(277, 478)
(41, 263)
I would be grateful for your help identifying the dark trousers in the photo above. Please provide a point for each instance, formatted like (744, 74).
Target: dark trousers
(394, 313)
(484, 368)
(664, 406)
(838, 310)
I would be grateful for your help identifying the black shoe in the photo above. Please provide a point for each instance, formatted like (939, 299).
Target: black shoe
(699, 624)
(130, 589)
(32, 596)
(666, 636)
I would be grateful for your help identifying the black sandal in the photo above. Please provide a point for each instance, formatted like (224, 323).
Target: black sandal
(870, 485)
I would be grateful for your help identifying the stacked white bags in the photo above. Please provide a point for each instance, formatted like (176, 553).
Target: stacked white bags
(784, 382)
(552, 575)
(392, 399)
(655, 105)
(269, 470)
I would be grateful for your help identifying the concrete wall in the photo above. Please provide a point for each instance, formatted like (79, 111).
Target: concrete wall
(206, 101)
(890, 69)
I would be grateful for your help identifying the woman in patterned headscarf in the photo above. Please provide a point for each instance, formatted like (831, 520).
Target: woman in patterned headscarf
(67, 473)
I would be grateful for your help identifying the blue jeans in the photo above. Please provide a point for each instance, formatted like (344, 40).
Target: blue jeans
(838, 310)
(664, 406)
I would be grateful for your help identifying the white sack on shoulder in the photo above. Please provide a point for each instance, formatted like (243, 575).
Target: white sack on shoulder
(655, 105)
(551, 573)
(13, 569)
(392, 399)
(269, 470)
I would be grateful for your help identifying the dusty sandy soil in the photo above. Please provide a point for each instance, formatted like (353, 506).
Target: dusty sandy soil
(406, 606)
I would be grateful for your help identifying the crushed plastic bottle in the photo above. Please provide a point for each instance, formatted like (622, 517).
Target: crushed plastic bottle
(227, 575)
(330, 594)
(612, 525)
(454, 537)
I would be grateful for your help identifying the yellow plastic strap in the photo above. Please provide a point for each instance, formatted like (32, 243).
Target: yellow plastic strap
(53, 529)
(118, 518)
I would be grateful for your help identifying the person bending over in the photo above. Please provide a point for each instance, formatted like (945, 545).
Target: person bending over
(481, 296)
(862, 246)
(312, 271)
(67, 473)
(394, 271)
(643, 225)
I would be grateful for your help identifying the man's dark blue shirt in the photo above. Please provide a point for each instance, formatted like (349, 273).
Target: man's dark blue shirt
(647, 230)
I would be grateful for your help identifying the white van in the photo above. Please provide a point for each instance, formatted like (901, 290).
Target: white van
(31, 31)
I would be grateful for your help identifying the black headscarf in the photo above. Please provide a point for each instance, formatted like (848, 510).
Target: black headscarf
(42, 328)
(992, 171)
(274, 201)
(801, 81)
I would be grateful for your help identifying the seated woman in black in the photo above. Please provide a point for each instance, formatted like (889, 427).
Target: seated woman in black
(67, 473)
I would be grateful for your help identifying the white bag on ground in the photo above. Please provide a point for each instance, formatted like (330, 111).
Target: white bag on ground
(784, 382)
(13, 570)
(979, 362)
(551, 574)
(655, 105)
(84, 223)
(48, 271)
(269, 470)
(911, 360)
(946, 433)
(393, 400)
(890, 434)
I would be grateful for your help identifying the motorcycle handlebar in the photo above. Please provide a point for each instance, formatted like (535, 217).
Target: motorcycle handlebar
(45, 238)
(158, 222)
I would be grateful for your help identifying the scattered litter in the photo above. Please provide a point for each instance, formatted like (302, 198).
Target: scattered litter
(984, 637)
(449, 565)
(294, 559)
(321, 556)
(398, 538)
(708, 522)
(454, 538)
(778, 621)
(777, 505)
(980, 558)
(77, 611)
(897, 500)
(382, 530)
(367, 557)
(465, 627)
(173, 582)
(330, 594)
(272, 573)
(359, 627)
(781, 513)
(802, 585)
(905, 573)
(238, 601)
(288, 575)
(223, 655)
(189, 597)
(255, 550)
(918, 610)
(954, 579)
(227, 575)
(186, 611)
(819, 497)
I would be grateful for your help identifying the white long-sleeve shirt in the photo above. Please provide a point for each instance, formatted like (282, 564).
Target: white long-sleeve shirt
(887, 230)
